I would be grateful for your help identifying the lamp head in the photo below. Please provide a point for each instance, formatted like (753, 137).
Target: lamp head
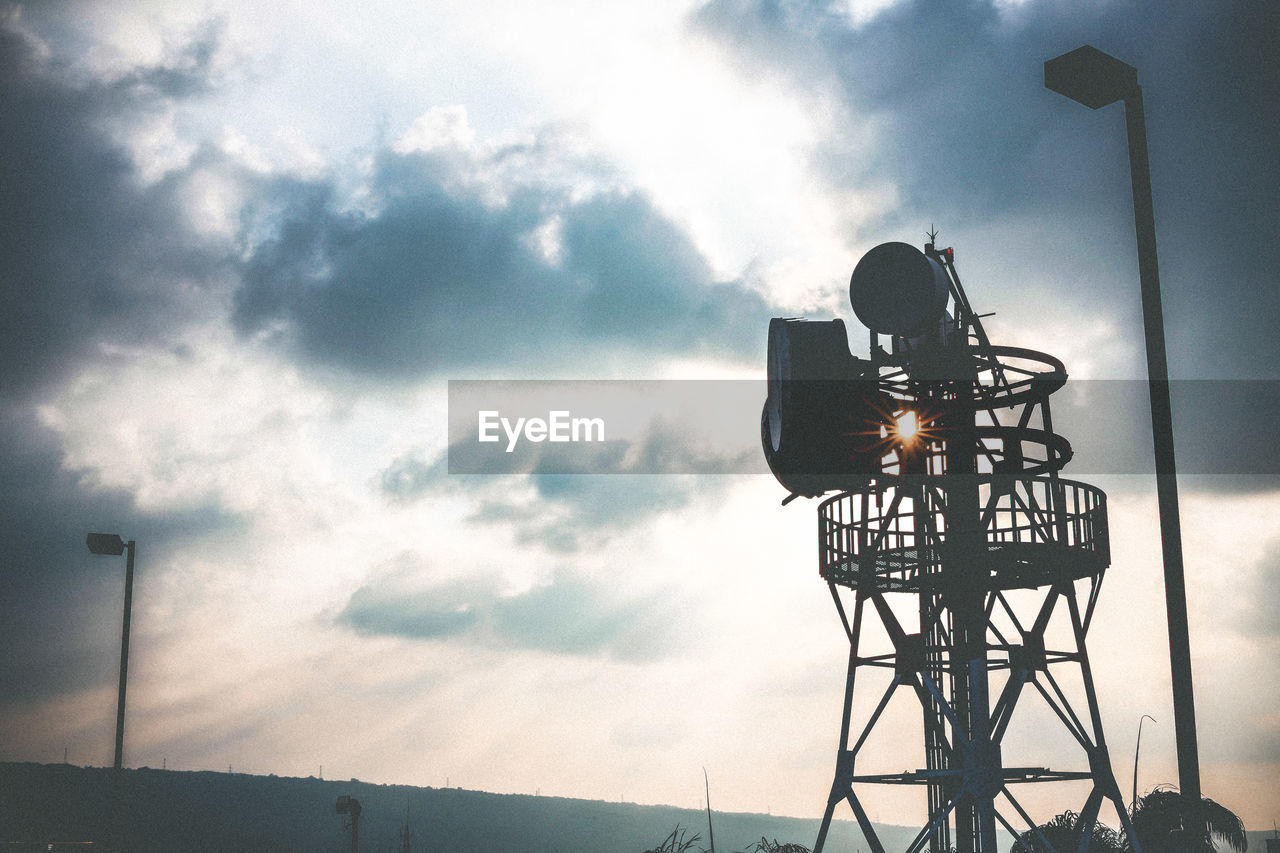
(1090, 77)
(105, 543)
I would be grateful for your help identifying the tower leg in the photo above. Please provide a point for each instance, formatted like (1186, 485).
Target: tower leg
(842, 784)
(968, 630)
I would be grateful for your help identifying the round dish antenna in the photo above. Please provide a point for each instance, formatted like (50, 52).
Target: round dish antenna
(897, 290)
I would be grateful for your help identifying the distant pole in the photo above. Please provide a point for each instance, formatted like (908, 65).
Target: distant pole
(711, 833)
(1133, 803)
(124, 651)
(1091, 77)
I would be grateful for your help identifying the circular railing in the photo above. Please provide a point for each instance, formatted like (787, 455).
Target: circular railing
(1004, 377)
(1035, 531)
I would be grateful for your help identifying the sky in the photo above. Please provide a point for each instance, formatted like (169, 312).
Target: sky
(247, 246)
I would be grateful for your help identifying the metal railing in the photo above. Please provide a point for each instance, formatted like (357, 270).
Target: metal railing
(1037, 530)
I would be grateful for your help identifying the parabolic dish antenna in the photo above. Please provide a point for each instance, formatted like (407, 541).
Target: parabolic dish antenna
(896, 290)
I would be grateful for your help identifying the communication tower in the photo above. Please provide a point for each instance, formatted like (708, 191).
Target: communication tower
(953, 541)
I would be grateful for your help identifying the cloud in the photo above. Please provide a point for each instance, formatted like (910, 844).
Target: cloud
(446, 267)
(409, 476)
(92, 259)
(946, 101)
(926, 78)
(457, 256)
(571, 614)
(567, 497)
(953, 93)
(88, 254)
(62, 604)
(450, 255)
(1254, 614)
(443, 611)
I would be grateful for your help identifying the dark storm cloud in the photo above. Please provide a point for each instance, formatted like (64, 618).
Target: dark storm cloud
(570, 615)
(1222, 443)
(953, 95)
(438, 278)
(61, 605)
(952, 88)
(89, 255)
(93, 257)
(956, 94)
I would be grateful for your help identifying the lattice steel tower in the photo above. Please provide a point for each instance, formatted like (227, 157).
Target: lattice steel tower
(953, 542)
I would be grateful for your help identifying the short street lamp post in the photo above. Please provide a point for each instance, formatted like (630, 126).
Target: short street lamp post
(112, 545)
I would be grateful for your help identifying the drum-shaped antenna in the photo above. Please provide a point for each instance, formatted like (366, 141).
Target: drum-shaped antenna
(897, 290)
(820, 427)
(808, 351)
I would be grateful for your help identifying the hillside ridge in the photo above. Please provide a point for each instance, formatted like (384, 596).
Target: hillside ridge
(204, 810)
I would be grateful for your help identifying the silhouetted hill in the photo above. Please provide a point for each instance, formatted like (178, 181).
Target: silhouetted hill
(168, 810)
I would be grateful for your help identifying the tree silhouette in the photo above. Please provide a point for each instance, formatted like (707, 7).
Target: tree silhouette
(677, 842)
(1063, 834)
(1161, 816)
(764, 845)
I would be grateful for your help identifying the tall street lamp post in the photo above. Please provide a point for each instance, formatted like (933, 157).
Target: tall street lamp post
(111, 544)
(1095, 79)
